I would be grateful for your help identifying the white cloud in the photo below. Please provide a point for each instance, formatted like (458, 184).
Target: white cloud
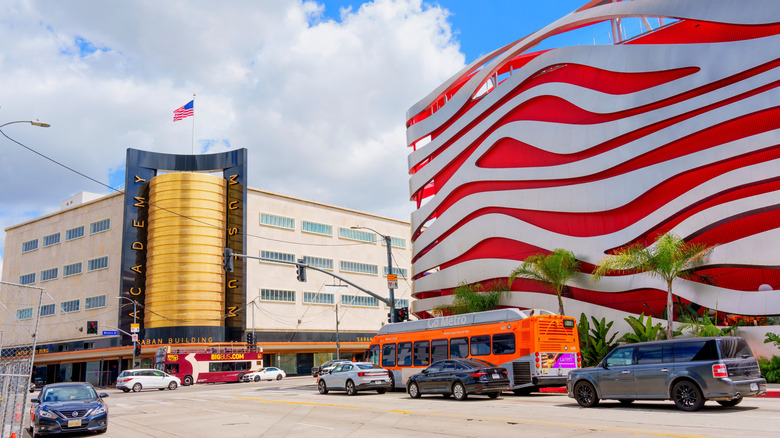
(320, 104)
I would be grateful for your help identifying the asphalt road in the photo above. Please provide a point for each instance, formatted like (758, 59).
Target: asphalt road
(293, 408)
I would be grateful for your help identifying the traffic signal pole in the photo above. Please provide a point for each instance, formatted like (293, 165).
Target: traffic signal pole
(393, 316)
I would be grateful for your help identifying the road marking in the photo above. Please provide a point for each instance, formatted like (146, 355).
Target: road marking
(314, 425)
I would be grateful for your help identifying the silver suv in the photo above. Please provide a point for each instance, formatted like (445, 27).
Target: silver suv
(687, 371)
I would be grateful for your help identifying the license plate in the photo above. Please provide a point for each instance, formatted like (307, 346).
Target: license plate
(754, 386)
(496, 376)
(74, 423)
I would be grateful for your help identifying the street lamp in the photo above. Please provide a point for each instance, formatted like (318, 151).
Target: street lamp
(389, 268)
(135, 314)
(32, 122)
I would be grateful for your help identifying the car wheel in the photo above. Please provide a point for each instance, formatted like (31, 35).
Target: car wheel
(278, 377)
(381, 390)
(322, 387)
(493, 394)
(240, 377)
(414, 390)
(392, 382)
(687, 396)
(172, 386)
(730, 403)
(187, 381)
(585, 394)
(257, 378)
(626, 401)
(125, 390)
(459, 391)
(350, 387)
(137, 387)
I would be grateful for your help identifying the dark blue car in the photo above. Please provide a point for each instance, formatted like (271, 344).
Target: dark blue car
(459, 378)
(68, 407)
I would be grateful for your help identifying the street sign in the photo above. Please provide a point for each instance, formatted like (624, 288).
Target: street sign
(392, 281)
(135, 328)
(110, 332)
(135, 337)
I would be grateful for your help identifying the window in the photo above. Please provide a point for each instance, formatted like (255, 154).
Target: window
(373, 354)
(504, 343)
(421, 353)
(319, 262)
(732, 348)
(621, 357)
(314, 227)
(404, 354)
(318, 298)
(459, 348)
(694, 351)
(24, 313)
(359, 300)
(98, 263)
(363, 236)
(69, 306)
(480, 345)
(280, 256)
(94, 302)
(399, 302)
(99, 226)
(73, 269)
(388, 355)
(48, 310)
(439, 350)
(74, 233)
(401, 272)
(49, 274)
(360, 268)
(27, 278)
(51, 239)
(287, 296)
(395, 242)
(30, 245)
(650, 354)
(277, 221)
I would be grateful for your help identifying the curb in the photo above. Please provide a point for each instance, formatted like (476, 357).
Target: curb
(769, 394)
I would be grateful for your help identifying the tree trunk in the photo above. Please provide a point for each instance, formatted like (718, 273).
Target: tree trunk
(669, 310)
(560, 303)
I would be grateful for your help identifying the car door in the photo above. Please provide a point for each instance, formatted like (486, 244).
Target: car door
(652, 370)
(158, 377)
(427, 382)
(339, 375)
(616, 379)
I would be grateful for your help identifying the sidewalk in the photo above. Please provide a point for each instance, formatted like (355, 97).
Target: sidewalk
(772, 390)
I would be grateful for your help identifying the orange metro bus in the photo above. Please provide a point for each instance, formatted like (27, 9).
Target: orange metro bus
(209, 364)
(537, 347)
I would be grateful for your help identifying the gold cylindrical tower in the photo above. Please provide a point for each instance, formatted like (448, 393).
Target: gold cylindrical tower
(185, 281)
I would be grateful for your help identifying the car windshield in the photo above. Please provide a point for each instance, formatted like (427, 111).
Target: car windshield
(366, 366)
(69, 393)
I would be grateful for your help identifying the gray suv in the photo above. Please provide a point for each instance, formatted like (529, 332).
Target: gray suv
(688, 371)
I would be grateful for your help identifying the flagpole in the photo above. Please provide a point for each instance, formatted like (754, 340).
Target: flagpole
(193, 123)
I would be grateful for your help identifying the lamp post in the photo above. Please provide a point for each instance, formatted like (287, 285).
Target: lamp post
(389, 268)
(135, 314)
(32, 122)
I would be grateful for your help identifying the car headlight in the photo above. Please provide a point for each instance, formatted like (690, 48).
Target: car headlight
(44, 413)
(100, 409)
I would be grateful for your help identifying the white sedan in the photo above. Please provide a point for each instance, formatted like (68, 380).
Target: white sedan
(270, 373)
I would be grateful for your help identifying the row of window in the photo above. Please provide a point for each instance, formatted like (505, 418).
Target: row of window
(71, 234)
(288, 296)
(288, 223)
(65, 307)
(67, 270)
(324, 263)
(423, 353)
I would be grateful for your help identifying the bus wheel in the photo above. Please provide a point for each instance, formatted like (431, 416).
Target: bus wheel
(240, 377)
(187, 381)
(322, 387)
(459, 391)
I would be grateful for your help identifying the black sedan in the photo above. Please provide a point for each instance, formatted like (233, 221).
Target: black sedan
(459, 378)
(68, 407)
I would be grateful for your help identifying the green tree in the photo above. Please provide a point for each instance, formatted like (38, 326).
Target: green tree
(644, 330)
(553, 270)
(670, 257)
(472, 298)
(594, 344)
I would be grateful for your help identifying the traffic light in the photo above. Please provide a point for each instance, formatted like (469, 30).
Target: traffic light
(91, 327)
(401, 314)
(389, 319)
(137, 351)
(227, 260)
(249, 338)
(301, 270)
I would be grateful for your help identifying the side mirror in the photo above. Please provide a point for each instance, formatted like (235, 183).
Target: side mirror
(103, 395)
(35, 400)
(425, 371)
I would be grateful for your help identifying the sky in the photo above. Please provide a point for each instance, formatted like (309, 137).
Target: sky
(317, 91)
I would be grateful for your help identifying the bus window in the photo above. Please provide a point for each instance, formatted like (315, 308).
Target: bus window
(480, 345)
(242, 366)
(459, 347)
(504, 343)
(373, 354)
(215, 367)
(172, 368)
(404, 354)
(388, 355)
(421, 350)
(439, 350)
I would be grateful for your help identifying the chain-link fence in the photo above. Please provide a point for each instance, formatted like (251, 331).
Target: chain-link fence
(16, 361)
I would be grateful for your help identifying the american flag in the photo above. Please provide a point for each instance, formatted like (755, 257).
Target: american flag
(185, 111)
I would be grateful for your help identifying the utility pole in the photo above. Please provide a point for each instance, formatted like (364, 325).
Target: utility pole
(391, 291)
(338, 348)
(135, 314)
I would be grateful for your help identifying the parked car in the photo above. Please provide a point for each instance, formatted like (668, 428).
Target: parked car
(137, 380)
(327, 366)
(270, 373)
(353, 377)
(687, 371)
(68, 407)
(459, 378)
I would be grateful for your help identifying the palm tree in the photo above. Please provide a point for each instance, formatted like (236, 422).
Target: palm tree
(670, 257)
(472, 298)
(553, 270)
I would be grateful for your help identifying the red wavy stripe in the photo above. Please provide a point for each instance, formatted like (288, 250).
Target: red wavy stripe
(739, 227)
(742, 278)
(698, 32)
